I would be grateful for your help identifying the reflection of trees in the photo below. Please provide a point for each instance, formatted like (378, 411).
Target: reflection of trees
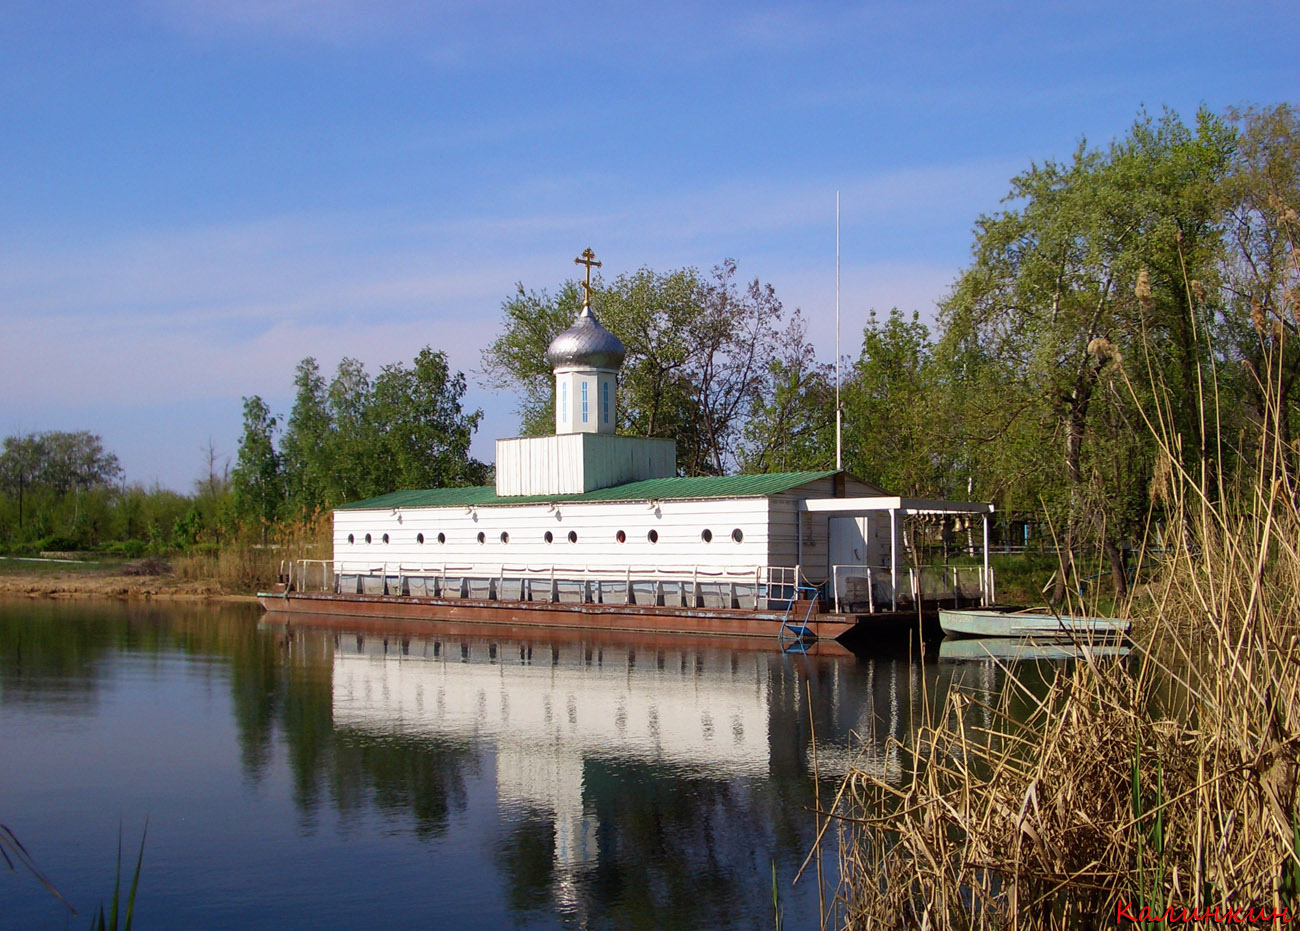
(51, 652)
(51, 660)
(669, 841)
(253, 659)
(402, 776)
(527, 858)
(682, 851)
(676, 847)
(254, 694)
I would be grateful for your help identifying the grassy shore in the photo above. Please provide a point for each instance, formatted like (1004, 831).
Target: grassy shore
(107, 578)
(235, 571)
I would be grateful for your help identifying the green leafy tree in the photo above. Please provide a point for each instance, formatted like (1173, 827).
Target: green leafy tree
(515, 360)
(1059, 294)
(258, 481)
(356, 437)
(423, 430)
(307, 447)
(893, 427)
(351, 447)
(56, 471)
(700, 354)
(1261, 283)
(791, 428)
(77, 462)
(735, 340)
(21, 463)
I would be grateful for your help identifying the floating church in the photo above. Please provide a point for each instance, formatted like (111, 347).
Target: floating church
(590, 528)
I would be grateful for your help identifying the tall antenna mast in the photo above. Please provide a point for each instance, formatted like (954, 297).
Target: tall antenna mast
(839, 413)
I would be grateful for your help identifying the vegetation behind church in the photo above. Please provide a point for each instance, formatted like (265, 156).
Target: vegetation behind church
(1163, 261)
(348, 438)
(1113, 289)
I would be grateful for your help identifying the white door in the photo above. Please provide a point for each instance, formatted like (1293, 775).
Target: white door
(848, 550)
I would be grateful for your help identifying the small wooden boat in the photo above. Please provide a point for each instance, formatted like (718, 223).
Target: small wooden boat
(989, 622)
(968, 649)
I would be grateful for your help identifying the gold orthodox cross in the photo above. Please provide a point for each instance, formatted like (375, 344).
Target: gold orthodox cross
(588, 258)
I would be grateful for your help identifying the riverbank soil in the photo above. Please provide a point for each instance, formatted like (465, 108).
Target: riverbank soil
(109, 578)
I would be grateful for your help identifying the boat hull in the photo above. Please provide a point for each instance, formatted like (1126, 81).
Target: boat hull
(971, 649)
(645, 619)
(988, 623)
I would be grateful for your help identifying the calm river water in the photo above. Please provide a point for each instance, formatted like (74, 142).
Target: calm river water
(330, 778)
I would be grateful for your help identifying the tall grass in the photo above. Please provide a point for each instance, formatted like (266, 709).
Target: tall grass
(246, 566)
(1166, 782)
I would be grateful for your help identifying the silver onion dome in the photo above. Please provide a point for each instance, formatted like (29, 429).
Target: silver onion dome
(586, 344)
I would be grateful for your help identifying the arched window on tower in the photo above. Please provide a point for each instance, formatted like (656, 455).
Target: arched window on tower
(584, 402)
(564, 402)
(604, 401)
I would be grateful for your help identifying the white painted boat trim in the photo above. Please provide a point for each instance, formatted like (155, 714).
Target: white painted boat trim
(985, 623)
(971, 649)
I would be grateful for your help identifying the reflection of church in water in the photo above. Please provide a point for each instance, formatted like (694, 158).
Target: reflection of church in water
(547, 711)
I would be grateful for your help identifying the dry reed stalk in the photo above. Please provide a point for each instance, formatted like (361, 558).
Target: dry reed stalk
(1167, 781)
(246, 566)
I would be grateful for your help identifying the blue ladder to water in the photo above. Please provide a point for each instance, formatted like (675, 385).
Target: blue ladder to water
(796, 630)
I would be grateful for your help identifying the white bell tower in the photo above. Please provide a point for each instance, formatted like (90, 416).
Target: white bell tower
(586, 358)
(584, 454)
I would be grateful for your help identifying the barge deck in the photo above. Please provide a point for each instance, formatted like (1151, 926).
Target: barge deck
(801, 620)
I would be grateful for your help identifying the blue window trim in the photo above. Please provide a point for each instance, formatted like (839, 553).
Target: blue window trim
(564, 402)
(604, 391)
(584, 402)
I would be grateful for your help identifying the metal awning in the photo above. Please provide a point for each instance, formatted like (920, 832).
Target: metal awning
(897, 507)
(902, 506)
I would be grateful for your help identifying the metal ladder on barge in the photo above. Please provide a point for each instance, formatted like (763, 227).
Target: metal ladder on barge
(795, 634)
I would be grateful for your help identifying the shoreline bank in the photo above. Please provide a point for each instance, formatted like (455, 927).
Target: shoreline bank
(113, 585)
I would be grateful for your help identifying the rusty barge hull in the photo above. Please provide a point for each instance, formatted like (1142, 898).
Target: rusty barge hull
(639, 619)
(531, 637)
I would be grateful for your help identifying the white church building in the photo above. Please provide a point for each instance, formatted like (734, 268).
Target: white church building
(587, 515)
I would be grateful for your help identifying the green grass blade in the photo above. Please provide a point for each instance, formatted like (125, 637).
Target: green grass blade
(1160, 809)
(9, 843)
(117, 882)
(776, 897)
(135, 880)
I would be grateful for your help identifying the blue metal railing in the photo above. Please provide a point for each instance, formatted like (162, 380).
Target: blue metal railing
(797, 629)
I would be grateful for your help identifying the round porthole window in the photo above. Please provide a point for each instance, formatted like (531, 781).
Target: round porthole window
(653, 536)
(352, 538)
(621, 537)
(385, 538)
(573, 536)
(548, 537)
(367, 538)
(737, 535)
(505, 537)
(706, 535)
(442, 538)
(419, 538)
(482, 537)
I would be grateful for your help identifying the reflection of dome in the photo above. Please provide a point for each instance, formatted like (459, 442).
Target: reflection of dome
(586, 344)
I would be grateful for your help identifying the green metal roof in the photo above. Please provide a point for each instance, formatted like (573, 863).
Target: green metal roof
(656, 489)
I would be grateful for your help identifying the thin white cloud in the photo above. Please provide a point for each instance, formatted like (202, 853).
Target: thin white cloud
(209, 314)
(329, 20)
(144, 367)
(444, 33)
(313, 268)
(323, 267)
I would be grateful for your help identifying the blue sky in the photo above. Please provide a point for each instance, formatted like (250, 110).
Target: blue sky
(195, 194)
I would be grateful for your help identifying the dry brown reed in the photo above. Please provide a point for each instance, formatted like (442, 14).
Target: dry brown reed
(1168, 781)
(247, 565)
